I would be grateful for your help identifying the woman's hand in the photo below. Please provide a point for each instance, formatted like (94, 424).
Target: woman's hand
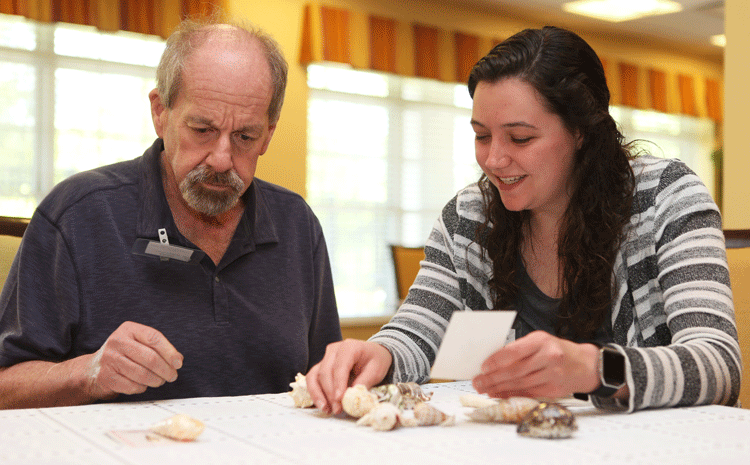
(345, 364)
(540, 365)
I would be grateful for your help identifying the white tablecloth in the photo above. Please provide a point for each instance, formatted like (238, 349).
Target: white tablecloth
(267, 429)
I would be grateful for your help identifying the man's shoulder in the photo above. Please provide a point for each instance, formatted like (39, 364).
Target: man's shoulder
(279, 197)
(86, 185)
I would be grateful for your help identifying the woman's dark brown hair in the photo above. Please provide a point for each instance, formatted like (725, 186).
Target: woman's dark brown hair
(568, 74)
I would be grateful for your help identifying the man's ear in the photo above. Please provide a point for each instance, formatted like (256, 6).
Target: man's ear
(157, 111)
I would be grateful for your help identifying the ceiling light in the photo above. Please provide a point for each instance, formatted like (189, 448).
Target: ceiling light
(719, 40)
(621, 10)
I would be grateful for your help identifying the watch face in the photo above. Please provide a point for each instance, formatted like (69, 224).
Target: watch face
(613, 367)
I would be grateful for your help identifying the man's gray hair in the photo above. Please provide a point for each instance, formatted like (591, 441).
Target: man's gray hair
(190, 34)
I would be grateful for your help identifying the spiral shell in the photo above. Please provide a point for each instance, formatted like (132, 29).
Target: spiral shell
(179, 427)
(358, 401)
(476, 401)
(403, 395)
(549, 421)
(427, 415)
(510, 410)
(384, 417)
(299, 393)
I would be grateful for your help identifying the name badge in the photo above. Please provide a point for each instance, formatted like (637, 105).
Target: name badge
(165, 251)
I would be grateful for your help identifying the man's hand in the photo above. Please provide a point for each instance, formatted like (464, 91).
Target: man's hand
(134, 358)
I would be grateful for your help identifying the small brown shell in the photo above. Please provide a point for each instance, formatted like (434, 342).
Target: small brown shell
(549, 421)
(510, 410)
(299, 393)
(358, 401)
(427, 415)
(179, 427)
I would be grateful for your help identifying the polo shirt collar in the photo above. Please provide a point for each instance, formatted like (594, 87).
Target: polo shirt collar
(256, 226)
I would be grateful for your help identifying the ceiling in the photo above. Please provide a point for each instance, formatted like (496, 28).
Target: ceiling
(689, 29)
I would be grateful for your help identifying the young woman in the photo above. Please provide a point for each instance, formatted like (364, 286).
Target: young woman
(615, 262)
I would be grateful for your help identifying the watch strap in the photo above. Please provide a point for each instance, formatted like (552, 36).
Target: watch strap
(603, 390)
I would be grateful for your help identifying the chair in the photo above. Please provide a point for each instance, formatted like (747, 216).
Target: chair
(406, 265)
(11, 231)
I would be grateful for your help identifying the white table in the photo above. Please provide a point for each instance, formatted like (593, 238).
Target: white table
(267, 429)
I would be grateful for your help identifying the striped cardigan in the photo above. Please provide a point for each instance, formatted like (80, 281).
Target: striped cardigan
(672, 313)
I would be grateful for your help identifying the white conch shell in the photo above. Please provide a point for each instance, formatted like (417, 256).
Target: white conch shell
(358, 401)
(299, 393)
(180, 427)
(476, 401)
(510, 410)
(427, 415)
(384, 417)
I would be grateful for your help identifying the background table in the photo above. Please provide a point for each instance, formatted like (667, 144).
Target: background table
(267, 429)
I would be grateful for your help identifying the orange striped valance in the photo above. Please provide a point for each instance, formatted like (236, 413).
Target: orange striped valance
(411, 49)
(155, 17)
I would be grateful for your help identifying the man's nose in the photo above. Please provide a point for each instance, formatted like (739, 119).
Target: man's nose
(220, 158)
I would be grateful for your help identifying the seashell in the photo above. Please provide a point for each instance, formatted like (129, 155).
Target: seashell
(387, 393)
(427, 415)
(299, 392)
(180, 427)
(549, 421)
(403, 395)
(413, 391)
(510, 410)
(384, 417)
(476, 401)
(358, 401)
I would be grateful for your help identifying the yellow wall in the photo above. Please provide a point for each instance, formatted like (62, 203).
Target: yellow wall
(736, 205)
(284, 163)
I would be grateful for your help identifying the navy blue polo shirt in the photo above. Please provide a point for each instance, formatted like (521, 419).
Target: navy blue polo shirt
(244, 326)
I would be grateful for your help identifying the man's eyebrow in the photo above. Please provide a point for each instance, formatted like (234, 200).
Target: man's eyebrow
(199, 120)
(253, 128)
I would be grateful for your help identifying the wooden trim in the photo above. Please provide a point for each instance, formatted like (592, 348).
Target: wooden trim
(11, 226)
(737, 238)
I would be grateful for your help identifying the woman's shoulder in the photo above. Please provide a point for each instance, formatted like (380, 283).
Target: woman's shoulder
(463, 213)
(648, 168)
(469, 198)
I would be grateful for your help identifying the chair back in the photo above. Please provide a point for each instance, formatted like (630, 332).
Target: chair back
(406, 265)
(8, 248)
(11, 231)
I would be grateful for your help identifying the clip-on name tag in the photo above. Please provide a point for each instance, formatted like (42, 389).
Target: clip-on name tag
(164, 250)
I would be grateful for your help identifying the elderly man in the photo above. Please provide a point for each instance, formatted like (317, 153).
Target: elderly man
(176, 274)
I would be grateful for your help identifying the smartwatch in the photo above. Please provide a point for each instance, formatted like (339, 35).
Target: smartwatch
(611, 373)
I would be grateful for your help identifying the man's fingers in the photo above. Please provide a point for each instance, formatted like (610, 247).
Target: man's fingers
(134, 358)
(155, 340)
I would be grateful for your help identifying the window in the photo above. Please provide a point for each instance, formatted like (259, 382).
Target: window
(71, 98)
(385, 153)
